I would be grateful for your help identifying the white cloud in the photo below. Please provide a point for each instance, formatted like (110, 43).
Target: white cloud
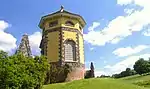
(7, 41)
(121, 66)
(3, 25)
(124, 2)
(95, 25)
(100, 72)
(122, 26)
(121, 52)
(91, 49)
(35, 40)
(108, 66)
(129, 11)
(147, 32)
(115, 40)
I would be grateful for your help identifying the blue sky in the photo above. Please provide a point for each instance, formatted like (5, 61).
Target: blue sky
(116, 35)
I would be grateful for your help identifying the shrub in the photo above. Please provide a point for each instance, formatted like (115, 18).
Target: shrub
(20, 72)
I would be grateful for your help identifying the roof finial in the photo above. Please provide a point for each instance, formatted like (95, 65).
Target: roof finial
(62, 8)
(25, 34)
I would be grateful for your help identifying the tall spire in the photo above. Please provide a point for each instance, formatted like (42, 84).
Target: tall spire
(24, 46)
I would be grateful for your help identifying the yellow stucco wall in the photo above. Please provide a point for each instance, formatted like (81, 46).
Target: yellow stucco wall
(81, 48)
(70, 35)
(53, 46)
(51, 20)
(61, 23)
(53, 38)
(64, 19)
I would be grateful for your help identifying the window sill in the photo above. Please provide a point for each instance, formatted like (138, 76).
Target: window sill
(70, 61)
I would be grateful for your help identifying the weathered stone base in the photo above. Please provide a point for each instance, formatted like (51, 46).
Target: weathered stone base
(77, 71)
(68, 71)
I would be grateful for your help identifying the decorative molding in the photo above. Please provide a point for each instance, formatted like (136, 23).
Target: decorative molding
(71, 30)
(76, 64)
(60, 47)
(64, 29)
(78, 48)
(44, 43)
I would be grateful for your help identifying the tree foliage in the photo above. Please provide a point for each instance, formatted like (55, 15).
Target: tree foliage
(87, 74)
(20, 72)
(127, 72)
(90, 73)
(104, 76)
(142, 66)
(92, 70)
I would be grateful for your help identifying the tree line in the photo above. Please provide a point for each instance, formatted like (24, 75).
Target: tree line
(140, 67)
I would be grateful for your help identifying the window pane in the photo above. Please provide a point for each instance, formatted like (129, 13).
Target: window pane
(69, 51)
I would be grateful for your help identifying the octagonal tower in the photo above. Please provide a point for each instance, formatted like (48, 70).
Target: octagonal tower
(62, 41)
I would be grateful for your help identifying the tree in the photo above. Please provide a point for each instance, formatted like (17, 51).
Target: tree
(142, 66)
(149, 60)
(90, 73)
(3, 55)
(127, 72)
(92, 70)
(104, 76)
(116, 76)
(87, 74)
(3, 71)
(20, 72)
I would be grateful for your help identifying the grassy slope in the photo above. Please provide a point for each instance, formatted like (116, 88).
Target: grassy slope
(100, 83)
(137, 79)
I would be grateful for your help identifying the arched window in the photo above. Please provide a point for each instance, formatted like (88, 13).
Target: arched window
(70, 50)
(69, 23)
(54, 23)
(80, 27)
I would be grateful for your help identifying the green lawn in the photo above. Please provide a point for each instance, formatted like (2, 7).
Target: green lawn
(138, 80)
(97, 83)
